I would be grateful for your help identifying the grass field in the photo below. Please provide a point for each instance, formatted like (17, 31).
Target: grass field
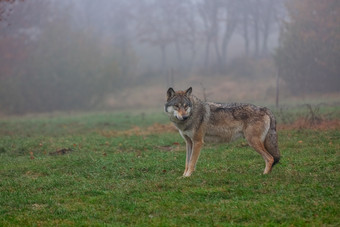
(122, 169)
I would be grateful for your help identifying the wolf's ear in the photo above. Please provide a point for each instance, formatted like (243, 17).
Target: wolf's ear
(188, 91)
(170, 93)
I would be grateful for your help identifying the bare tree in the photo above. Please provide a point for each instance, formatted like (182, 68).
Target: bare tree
(269, 19)
(191, 34)
(231, 11)
(220, 19)
(259, 19)
(208, 11)
(255, 14)
(245, 7)
(151, 27)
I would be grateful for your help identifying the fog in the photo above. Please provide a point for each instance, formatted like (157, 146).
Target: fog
(63, 55)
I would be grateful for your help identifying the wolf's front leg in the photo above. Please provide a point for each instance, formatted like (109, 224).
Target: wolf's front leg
(188, 153)
(197, 145)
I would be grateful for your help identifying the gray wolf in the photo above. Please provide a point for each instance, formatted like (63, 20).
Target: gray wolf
(200, 122)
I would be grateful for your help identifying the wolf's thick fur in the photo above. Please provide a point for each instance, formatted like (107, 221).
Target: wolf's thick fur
(199, 121)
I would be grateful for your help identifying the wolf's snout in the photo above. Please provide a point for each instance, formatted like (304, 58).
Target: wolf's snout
(182, 117)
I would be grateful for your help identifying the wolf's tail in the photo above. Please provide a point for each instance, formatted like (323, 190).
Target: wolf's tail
(271, 142)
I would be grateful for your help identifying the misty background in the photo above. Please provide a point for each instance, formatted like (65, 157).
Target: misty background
(63, 55)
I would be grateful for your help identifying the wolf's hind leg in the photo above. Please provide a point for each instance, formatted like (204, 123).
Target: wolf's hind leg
(258, 145)
(268, 158)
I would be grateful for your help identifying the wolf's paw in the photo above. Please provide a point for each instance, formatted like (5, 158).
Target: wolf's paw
(187, 174)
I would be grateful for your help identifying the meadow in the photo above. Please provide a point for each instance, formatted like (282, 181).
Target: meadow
(124, 169)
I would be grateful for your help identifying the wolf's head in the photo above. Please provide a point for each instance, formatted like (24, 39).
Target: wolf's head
(178, 104)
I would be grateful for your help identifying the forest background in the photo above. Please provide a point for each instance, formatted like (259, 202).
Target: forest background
(85, 55)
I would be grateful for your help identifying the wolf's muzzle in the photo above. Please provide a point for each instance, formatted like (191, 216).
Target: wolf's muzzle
(185, 117)
(182, 118)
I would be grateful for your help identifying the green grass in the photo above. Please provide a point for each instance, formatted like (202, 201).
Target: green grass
(128, 179)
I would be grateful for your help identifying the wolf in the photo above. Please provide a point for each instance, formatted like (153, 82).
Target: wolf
(200, 122)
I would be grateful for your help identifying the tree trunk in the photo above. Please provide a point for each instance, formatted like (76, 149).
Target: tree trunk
(255, 15)
(256, 36)
(218, 54)
(179, 54)
(266, 27)
(245, 34)
(277, 89)
(229, 30)
(163, 60)
(207, 53)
